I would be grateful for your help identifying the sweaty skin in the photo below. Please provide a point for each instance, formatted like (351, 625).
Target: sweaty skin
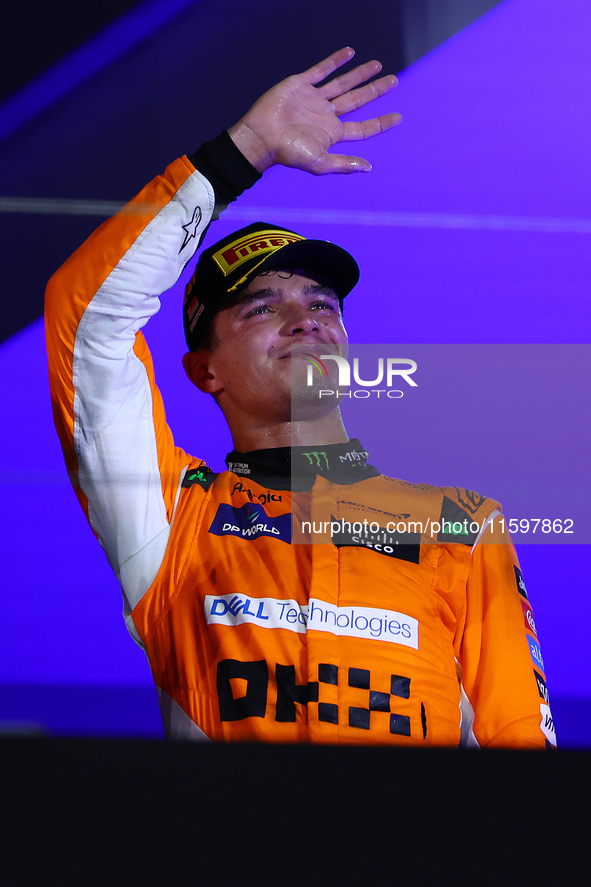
(296, 122)
(251, 369)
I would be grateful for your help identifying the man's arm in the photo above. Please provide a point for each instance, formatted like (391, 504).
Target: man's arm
(108, 411)
(505, 700)
(107, 408)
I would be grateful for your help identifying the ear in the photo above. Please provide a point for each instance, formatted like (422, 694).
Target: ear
(196, 364)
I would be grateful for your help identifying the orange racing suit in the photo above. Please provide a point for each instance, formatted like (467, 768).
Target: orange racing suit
(267, 605)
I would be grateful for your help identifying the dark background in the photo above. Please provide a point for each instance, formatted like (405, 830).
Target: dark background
(230, 55)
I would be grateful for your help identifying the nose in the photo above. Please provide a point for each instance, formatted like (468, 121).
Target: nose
(300, 321)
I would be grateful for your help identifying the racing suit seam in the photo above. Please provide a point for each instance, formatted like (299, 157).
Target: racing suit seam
(151, 229)
(107, 295)
(167, 527)
(508, 724)
(155, 224)
(149, 542)
(442, 634)
(145, 382)
(188, 560)
(79, 449)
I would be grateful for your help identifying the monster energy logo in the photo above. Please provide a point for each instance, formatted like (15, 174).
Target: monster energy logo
(314, 458)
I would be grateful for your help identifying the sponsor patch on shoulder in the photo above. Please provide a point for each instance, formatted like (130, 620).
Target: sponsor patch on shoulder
(547, 723)
(202, 475)
(536, 653)
(520, 583)
(542, 688)
(455, 524)
(469, 500)
(528, 616)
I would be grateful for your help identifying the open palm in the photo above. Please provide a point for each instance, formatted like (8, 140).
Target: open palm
(296, 122)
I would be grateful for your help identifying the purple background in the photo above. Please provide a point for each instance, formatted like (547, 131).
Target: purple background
(472, 228)
(505, 420)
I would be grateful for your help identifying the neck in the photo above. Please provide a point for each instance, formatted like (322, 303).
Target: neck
(296, 468)
(263, 435)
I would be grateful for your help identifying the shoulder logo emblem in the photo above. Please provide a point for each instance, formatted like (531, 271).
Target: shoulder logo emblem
(190, 228)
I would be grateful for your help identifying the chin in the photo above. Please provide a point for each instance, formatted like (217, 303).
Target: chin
(308, 402)
(309, 406)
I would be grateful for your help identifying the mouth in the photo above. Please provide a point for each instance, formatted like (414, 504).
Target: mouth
(309, 351)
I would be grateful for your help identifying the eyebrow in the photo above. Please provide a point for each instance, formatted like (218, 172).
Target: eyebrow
(265, 293)
(269, 292)
(318, 289)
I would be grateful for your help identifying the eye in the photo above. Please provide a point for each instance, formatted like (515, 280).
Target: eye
(259, 309)
(323, 303)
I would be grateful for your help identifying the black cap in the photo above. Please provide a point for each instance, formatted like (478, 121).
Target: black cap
(229, 265)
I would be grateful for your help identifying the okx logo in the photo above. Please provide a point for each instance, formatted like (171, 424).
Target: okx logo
(362, 707)
(249, 522)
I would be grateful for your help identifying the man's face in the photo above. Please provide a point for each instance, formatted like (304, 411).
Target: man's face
(258, 364)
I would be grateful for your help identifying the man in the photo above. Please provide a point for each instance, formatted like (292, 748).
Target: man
(279, 600)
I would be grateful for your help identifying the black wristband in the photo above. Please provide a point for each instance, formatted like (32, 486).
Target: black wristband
(226, 168)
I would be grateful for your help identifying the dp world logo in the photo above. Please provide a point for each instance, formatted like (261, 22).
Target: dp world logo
(390, 371)
(249, 522)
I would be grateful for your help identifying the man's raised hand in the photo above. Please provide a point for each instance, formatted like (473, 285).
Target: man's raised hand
(296, 122)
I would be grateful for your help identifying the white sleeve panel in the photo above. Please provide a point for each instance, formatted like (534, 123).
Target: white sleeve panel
(114, 434)
(485, 526)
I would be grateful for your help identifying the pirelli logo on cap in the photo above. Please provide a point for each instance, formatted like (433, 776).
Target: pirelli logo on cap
(235, 254)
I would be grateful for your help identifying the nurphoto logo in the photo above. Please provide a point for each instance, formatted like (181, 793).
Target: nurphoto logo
(390, 371)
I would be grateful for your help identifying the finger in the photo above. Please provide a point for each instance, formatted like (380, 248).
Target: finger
(318, 72)
(341, 163)
(365, 129)
(357, 98)
(345, 82)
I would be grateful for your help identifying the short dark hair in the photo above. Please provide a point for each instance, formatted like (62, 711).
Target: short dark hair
(210, 339)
